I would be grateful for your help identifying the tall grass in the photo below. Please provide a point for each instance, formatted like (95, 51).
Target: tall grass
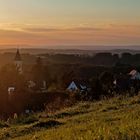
(111, 119)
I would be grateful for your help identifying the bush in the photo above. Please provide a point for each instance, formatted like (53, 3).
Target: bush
(3, 124)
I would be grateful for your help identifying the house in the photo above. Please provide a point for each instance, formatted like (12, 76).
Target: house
(42, 86)
(31, 84)
(135, 80)
(75, 86)
(134, 75)
(11, 90)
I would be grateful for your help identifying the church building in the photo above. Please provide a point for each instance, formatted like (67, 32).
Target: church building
(18, 62)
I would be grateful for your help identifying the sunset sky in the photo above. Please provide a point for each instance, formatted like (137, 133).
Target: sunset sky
(69, 22)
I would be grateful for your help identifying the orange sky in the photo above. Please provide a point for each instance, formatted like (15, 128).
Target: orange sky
(81, 22)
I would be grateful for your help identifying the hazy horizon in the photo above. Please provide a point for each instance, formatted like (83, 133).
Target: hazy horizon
(96, 47)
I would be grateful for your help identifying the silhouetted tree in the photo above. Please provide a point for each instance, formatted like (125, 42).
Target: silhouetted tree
(37, 73)
(106, 79)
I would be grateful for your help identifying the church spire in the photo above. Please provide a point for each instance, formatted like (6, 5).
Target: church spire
(18, 56)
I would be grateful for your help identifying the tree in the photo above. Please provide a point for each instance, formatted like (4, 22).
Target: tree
(106, 79)
(38, 73)
(96, 89)
(10, 77)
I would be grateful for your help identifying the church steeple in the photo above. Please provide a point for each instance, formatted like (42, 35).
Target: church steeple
(18, 62)
(18, 56)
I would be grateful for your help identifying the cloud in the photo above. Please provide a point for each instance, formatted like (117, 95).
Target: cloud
(39, 30)
(37, 35)
(125, 26)
(75, 29)
(21, 37)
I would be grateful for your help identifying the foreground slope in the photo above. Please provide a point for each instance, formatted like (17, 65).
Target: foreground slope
(117, 118)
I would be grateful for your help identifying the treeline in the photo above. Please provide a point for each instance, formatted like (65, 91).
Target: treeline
(99, 59)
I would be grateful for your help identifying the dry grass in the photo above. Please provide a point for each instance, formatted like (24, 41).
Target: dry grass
(112, 119)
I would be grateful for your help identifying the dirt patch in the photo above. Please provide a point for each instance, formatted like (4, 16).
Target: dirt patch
(48, 124)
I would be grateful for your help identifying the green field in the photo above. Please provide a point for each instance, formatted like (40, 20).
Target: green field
(110, 119)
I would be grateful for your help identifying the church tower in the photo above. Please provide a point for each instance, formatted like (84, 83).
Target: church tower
(18, 62)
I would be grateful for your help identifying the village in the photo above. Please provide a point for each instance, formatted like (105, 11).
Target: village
(31, 89)
(69, 69)
(120, 81)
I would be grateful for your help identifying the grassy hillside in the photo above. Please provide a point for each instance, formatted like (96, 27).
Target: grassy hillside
(117, 119)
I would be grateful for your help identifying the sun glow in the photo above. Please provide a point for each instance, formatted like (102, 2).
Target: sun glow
(82, 22)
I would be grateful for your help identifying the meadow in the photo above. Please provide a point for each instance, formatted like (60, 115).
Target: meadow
(109, 119)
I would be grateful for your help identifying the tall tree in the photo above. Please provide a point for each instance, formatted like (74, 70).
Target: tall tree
(38, 73)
